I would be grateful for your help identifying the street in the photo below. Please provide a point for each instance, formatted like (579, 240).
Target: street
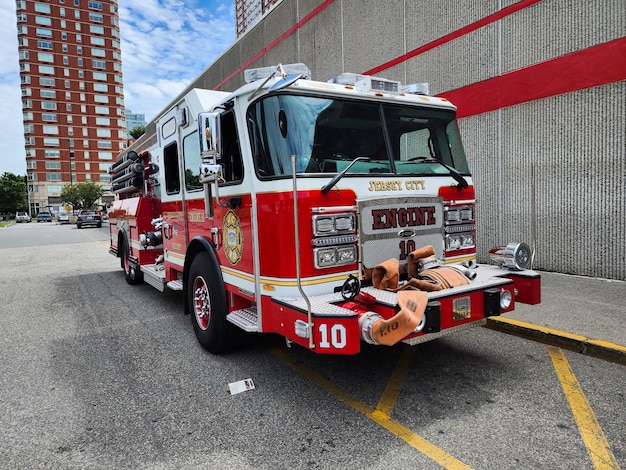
(96, 373)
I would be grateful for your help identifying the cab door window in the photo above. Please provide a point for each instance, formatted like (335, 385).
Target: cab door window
(172, 176)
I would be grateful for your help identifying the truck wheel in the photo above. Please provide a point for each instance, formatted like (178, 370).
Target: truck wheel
(207, 298)
(131, 273)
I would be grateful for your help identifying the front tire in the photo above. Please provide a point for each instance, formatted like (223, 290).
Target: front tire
(208, 305)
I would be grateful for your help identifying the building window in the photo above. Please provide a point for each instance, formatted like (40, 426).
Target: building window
(53, 177)
(53, 165)
(44, 33)
(100, 76)
(79, 38)
(49, 117)
(98, 52)
(29, 128)
(102, 121)
(42, 8)
(46, 69)
(99, 64)
(29, 140)
(51, 141)
(21, 17)
(54, 130)
(100, 87)
(46, 81)
(46, 93)
(95, 5)
(66, 60)
(50, 105)
(102, 110)
(44, 45)
(96, 17)
(80, 61)
(95, 29)
(101, 99)
(21, 29)
(24, 55)
(103, 132)
(42, 20)
(45, 57)
(96, 41)
(28, 116)
(50, 153)
(65, 48)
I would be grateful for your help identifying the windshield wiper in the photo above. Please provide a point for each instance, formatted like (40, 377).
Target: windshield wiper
(328, 186)
(458, 177)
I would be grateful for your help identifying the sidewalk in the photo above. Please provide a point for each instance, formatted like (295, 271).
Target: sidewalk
(583, 314)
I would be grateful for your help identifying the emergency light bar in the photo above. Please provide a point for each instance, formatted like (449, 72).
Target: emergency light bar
(252, 75)
(365, 83)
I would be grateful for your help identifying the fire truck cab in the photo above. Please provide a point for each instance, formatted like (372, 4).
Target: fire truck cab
(297, 207)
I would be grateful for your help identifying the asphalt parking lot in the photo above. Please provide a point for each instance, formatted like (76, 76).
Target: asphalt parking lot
(100, 374)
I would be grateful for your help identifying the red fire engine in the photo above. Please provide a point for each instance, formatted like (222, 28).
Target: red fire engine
(330, 213)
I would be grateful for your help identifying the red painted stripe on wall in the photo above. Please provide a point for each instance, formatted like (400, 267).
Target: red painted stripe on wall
(597, 65)
(277, 41)
(454, 35)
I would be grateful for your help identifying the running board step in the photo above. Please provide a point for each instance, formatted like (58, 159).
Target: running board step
(246, 319)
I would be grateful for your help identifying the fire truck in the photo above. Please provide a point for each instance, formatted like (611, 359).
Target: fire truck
(331, 213)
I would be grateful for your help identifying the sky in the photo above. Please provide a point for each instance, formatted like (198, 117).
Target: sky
(165, 45)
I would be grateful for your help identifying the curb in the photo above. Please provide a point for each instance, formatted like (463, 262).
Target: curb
(590, 347)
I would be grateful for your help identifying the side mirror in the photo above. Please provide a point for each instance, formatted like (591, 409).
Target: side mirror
(209, 133)
(210, 173)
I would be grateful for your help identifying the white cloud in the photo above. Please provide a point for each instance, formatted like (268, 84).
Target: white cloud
(166, 44)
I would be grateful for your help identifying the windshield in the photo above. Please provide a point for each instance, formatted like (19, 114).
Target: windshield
(326, 134)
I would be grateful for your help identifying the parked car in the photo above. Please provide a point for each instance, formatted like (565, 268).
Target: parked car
(63, 218)
(86, 218)
(22, 217)
(44, 217)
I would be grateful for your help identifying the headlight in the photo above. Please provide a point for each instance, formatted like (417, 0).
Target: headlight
(334, 256)
(334, 224)
(459, 241)
(505, 299)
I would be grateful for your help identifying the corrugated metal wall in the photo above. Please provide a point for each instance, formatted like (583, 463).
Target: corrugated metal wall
(574, 143)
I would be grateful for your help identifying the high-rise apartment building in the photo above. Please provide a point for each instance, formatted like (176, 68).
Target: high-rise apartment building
(72, 93)
(249, 12)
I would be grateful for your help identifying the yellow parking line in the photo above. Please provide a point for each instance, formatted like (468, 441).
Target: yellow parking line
(387, 402)
(590, 430)
(378, 415)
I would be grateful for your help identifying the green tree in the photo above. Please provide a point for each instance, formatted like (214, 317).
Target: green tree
(82, 195)
(13, 193)
(137, 132)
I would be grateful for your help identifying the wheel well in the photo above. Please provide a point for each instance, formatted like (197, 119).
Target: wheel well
(197, 245)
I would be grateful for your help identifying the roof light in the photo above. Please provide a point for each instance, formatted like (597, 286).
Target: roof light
(365, 83)
(417, 88)
(252, 75)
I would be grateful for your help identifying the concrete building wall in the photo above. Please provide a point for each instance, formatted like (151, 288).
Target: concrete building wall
(541, 90)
